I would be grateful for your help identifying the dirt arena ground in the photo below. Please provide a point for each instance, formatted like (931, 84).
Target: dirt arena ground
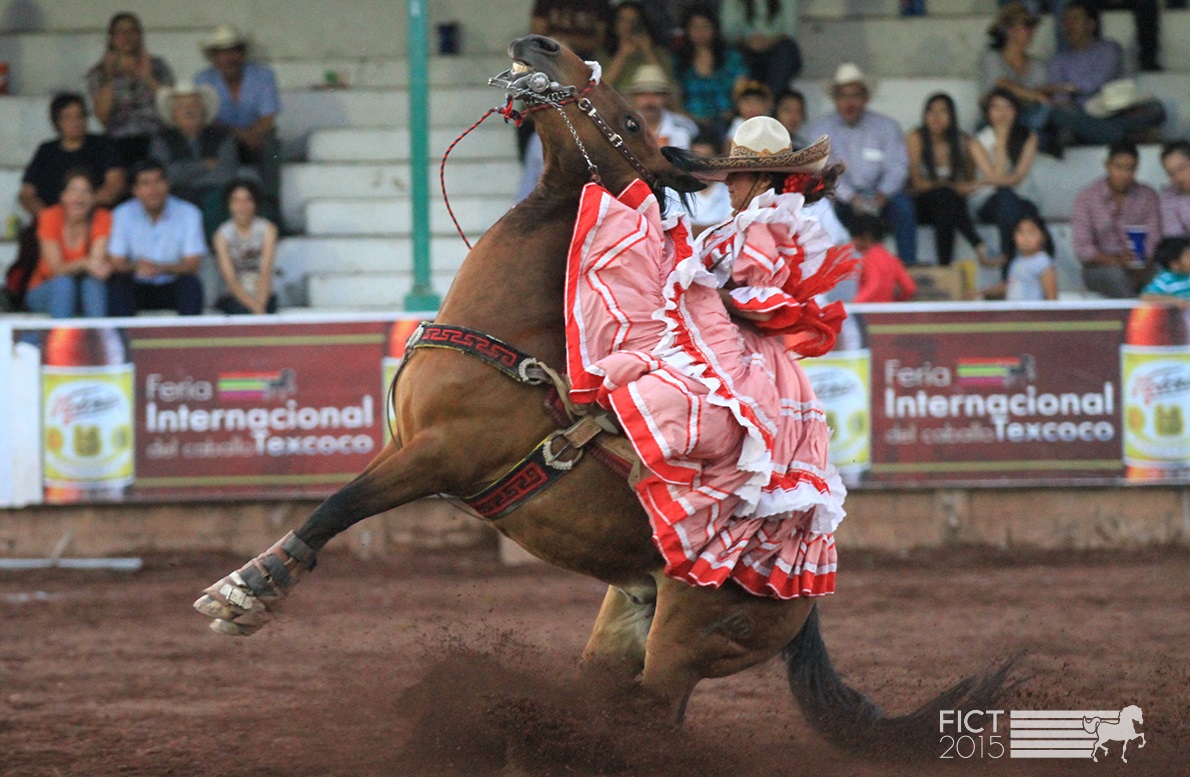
(443, 665)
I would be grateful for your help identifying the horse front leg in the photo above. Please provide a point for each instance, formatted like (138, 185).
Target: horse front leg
(246, 599)
(1124, 751)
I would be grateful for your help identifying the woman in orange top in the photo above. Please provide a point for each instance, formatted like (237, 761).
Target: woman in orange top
(73, 266)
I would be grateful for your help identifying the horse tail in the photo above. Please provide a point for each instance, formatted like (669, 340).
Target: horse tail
(1091, 725)
(849, 719)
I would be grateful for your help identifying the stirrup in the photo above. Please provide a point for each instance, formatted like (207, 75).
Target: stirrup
(243, 601)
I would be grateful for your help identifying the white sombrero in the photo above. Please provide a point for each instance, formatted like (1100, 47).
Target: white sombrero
(166, 95)
(762, 145)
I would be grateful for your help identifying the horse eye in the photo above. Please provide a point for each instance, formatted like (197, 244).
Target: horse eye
(631, 124)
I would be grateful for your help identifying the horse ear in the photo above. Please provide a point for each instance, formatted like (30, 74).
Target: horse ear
(678, 179)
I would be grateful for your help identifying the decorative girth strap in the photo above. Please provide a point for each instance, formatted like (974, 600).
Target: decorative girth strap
(551, 459)
(519, 366)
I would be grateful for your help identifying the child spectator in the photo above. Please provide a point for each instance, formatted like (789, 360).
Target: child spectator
(752, 99)
(245, 247)
(766, 32)
(73, 267)
(1031, 274)
(633, 43)
(882, 276)
(790, 109)
(200, 158)
(1172, 283)
(708, 71)
(123, 87)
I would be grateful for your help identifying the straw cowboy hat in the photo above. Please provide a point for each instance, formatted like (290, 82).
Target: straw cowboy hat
(762, 145)
(649, 79)
(849, 73)
(185, 88)
(1114, 96)
(225, 36)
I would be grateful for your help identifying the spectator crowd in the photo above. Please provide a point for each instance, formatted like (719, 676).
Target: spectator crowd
(188, 167)
(122, 221)
(696, 70)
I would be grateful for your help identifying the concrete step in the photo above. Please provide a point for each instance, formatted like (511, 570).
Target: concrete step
(394, 216)
(490, 140)
(24, 121)
(388, 73)
(371, 291)
(301, 183)
(300, 256)
(307, 110)
(816, 10)
(10, 186)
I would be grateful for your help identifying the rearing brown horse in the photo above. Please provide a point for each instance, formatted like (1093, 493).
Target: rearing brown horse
(460, 425)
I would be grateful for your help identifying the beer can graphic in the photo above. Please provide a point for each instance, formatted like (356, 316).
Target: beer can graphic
(1155, 375)
(87, 415)
(842, 381)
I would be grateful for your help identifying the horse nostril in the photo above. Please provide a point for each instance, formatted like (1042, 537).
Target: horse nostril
(548, 45)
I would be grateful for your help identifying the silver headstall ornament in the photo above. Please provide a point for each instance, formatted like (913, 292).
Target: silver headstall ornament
(537, 91)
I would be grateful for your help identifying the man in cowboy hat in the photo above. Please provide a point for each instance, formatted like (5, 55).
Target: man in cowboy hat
(200, 158)
(872, 146)
(248, 103)
(649, 92)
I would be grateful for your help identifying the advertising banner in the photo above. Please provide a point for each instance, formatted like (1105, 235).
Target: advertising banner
(915, 395)
(184, 412)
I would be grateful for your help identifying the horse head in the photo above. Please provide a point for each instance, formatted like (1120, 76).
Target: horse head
(1133, 713)
(588, 131)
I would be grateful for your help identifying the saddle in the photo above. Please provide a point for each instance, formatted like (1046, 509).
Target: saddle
(581, 428)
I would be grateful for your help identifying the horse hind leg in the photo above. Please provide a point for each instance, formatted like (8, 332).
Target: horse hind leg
(700, 632)
(246, 599)
(617, 642)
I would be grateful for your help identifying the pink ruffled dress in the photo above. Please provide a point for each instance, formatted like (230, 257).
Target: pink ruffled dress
(737, 486)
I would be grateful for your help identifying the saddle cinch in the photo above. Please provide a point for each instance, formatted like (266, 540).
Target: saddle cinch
(580, 428)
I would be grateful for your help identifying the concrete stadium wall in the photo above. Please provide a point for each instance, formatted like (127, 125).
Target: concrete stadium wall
(286, 29)
(891, 521)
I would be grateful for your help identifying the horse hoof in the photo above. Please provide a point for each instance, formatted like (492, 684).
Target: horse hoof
(213, 608)
(231, 628)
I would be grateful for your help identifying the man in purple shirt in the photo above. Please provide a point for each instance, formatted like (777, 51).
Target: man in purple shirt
(1076, 74)
(872, 146)
(1104, 214)
(248, 105)
(1175, 198)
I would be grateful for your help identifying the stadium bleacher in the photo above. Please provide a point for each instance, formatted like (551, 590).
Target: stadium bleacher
(346, 180)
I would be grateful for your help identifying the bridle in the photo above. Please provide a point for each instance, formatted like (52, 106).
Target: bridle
(539, 92)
